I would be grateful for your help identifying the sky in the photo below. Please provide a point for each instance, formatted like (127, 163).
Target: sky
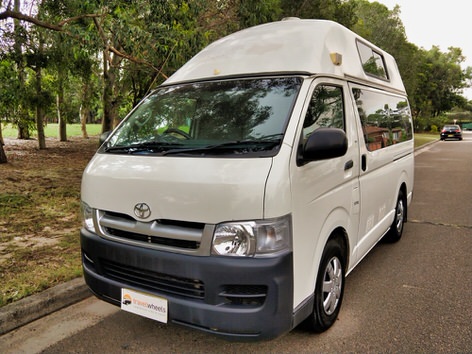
(440, 23)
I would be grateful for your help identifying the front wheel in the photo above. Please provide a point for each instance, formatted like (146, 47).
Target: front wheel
(396, 230)
(329, 288)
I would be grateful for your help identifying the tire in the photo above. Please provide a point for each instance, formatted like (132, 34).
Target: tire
(329, 288)
(396, 229)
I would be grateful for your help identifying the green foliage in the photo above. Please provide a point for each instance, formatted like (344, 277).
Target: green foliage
(433, 79)
(426, 123)
(9, 90)
(384, 28)
(440, 80)
(335, 10)
(110, 54)
(252, 13)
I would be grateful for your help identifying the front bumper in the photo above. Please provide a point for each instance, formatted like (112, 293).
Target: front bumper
(237, 298)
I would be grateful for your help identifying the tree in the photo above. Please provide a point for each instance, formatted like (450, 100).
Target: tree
(385, 29)
(141, 42)
(335, 10)
(252, 13)
(75, 27)
(3, 156)
(124, 49)
(84, 70)
(38, 63)
(22, 118)
(441, 80)
(433, 80)
(9, 96)
(27, 52)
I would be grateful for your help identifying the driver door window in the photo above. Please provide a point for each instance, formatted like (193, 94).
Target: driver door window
(326, 109)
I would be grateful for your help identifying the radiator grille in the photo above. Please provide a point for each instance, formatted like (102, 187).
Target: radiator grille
(154, 281)
(179, 235)
(148, 239)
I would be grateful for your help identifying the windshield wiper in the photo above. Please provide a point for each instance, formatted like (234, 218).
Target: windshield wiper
(152, 147)
(242, 146)
(264, 143)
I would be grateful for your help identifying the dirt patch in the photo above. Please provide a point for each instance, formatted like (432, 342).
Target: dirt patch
(40, 210)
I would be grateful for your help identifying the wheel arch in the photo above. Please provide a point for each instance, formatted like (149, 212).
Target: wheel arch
(340, 235)
(315, 320)
(336, 232)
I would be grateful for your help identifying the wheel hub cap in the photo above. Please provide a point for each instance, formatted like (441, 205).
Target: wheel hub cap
(332, 285)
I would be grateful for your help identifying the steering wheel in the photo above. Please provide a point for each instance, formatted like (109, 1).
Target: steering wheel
(177, 131)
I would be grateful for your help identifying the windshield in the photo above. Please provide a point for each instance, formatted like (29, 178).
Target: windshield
(231, 117)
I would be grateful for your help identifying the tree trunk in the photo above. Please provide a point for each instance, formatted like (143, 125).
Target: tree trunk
(40, 128)
(3, 156)
(39, 105)
(116, 87)
(22, 118)
(84, 112)
(40, 125)
(23, 129)
(107, 97)
(60, 117)
(111, 92)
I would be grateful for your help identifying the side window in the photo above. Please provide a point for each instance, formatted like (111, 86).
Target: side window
(326, 109)
(372, 62)
(385, 119)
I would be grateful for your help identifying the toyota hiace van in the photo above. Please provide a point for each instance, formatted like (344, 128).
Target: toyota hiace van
(237, 196)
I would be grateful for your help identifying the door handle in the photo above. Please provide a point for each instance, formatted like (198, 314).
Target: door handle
(348, 165)
(364, 162)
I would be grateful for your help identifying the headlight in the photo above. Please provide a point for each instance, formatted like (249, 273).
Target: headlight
(252, 238)
(87, 217)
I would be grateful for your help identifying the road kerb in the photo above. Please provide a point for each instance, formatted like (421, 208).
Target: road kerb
(33, 307)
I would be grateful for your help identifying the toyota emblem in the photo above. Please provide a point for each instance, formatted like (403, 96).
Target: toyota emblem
(142, 210)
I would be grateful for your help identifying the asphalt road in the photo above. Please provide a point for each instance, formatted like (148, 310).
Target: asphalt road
(412, 296)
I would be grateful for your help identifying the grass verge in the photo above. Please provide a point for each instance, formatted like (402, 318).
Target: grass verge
(39, 214)
(51, 130)
(422, 139)
(38, 268)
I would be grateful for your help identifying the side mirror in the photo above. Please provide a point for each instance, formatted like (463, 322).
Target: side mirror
(323, 144)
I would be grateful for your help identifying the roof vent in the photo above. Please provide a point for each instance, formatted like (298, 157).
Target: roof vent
(290, 18)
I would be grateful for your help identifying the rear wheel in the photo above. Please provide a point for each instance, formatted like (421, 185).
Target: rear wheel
(329, 288)
(396, 230)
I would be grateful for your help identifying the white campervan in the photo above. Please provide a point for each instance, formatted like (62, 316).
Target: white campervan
(237, 196)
